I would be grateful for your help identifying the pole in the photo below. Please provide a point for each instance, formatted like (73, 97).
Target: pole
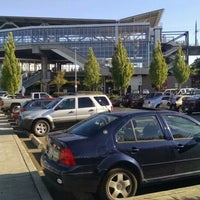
(75, 71)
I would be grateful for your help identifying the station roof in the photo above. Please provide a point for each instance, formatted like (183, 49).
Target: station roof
(153, 17)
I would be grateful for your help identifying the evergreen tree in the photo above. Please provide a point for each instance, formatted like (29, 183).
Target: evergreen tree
(122, 69)
(158, 68)
(181, 70)
(195, 73)
(91, 72)
(59, 80)
(11, 71)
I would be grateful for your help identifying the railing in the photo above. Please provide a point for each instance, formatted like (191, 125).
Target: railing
(32, 79)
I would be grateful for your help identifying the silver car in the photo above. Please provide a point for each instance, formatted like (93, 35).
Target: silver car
(162, 101)
(63, 112)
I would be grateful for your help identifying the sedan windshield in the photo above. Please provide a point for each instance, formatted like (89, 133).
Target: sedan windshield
(92, 125)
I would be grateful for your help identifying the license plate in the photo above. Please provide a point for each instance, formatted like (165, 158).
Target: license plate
(53, 154)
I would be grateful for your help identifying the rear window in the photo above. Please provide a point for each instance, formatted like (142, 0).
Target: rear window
(103, 101)
(92, 125)
(151, 95)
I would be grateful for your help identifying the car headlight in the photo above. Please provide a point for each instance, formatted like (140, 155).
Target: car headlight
(27, 117)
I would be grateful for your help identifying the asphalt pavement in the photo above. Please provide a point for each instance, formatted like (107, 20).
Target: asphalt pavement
(19, 179)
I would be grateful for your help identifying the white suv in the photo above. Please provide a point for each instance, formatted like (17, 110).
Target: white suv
(63, 112)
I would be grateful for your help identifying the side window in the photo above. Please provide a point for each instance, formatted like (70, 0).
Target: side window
(67, 104)
(126, 133)
(36, 104)
(36, 96)
(43, 95)
(147, 128)
(101, 100)
(85, 102)
(180, 127)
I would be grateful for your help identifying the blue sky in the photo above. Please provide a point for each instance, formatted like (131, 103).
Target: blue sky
(178, 14)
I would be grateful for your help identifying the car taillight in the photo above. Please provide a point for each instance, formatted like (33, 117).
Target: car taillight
(66, 157)
(112, 108)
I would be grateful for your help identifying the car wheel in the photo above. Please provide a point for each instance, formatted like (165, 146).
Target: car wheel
(189, 112)
(118, 184)
(41, 128)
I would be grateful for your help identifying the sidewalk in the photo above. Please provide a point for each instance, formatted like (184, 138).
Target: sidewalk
(19, 178)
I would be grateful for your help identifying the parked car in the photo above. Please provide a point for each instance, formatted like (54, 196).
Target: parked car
(153, 94)
(162, 101)
(126, 100)
(112, 154)
(191, 104)
(33, 104)
(64, 111)
(170, 91)
(133, 100)
(176, 102)
(3, 93)
(137, 101)
(116, 101)
(188, 91)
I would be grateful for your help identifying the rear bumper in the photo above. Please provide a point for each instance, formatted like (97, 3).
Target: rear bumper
(69, 180)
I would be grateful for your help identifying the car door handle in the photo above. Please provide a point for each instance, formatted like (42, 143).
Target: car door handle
(71, 111)
(90, 110)
(134, 150)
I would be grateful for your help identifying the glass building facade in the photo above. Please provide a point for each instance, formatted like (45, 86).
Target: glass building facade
(102, 38)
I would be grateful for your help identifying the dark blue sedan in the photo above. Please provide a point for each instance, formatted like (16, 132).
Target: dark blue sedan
(110, 155)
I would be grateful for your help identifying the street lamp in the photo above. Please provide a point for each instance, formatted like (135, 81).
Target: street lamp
(75, 71)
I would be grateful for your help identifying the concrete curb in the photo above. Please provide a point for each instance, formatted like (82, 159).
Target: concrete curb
(41, 188)
(36, 141)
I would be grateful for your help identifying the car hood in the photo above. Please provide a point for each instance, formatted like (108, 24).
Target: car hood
(37, 113)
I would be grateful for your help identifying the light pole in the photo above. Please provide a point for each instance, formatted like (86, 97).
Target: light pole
(75, 72)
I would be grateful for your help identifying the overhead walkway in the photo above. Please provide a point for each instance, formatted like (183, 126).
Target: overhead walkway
(32, 42)
(66, 53)
(171, 40)
(55, 43)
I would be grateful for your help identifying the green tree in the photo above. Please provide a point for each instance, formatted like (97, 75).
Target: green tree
(195, 73)
(181, 70)
(122, 69)
(91, 72)
(158, 68)
(59, 80)
(11, 71)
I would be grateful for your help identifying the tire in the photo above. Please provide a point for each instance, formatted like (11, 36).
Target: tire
(41, 128)
(189, 112)
(118, 183)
